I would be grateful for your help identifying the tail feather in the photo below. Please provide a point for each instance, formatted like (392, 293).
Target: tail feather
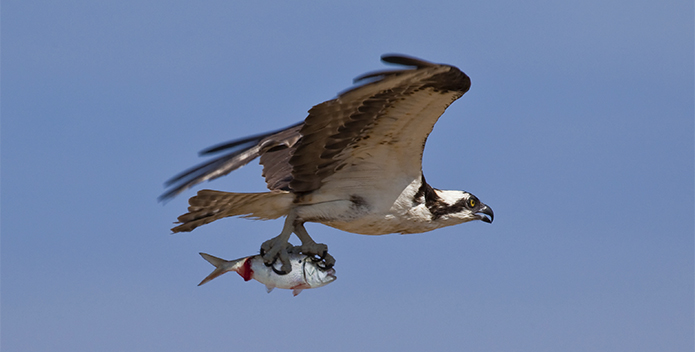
(208, 206)
(221, 266)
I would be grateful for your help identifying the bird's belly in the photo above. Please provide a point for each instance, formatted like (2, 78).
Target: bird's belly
(391, 211)
(380, 224)
(345, 215)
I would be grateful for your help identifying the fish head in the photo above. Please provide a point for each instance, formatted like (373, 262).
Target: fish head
(317, 276)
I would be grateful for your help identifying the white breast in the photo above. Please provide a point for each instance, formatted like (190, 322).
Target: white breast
(374, 211)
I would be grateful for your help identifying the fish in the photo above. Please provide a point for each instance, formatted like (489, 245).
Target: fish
(306, 272)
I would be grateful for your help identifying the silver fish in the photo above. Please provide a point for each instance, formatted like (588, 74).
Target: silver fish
(305, 272)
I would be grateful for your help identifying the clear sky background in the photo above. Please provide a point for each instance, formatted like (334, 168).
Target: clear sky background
(577, 131)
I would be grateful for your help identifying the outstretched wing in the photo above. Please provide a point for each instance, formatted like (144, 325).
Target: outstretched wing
(378, 128)
(273, 147)
(380, 125)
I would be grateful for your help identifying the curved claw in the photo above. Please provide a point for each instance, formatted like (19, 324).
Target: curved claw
(272, 264)
(279, 272)
(318, 258)
(326, 262)
(275, 259)
(262, 253)
(270, 254)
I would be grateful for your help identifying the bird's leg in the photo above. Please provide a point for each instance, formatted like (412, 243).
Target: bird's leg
(276, 247)
(309, 247)
(313, 249)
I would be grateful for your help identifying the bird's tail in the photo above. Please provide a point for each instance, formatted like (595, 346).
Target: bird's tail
(208, 206)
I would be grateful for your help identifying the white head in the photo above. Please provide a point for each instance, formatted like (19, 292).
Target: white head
(457, 207)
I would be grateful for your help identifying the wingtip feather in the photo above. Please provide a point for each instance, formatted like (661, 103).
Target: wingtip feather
(400, 59)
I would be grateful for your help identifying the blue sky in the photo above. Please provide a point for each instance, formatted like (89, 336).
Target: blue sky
(577, 131)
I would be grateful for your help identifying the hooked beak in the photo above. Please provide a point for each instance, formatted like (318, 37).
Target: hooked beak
(486, 211)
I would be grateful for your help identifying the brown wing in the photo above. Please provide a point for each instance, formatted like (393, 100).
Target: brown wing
(394, 110)
(273, 147)
(277, 170)
(383, 123)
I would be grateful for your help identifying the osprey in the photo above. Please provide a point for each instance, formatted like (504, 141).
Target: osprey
(354, 164)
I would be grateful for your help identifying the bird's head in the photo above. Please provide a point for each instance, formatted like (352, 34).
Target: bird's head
(458, 207)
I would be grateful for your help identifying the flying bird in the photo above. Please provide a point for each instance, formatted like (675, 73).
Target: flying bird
(355, 164)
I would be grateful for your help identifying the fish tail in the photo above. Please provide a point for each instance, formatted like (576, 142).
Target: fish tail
(221, 266)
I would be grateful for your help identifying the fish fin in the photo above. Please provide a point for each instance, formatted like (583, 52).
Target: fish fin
(296, 291)
(269, 288)
(221, 266)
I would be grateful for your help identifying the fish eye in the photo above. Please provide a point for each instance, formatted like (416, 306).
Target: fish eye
(472, 202)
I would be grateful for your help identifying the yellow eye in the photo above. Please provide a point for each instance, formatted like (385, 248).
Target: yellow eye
(472, 203)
